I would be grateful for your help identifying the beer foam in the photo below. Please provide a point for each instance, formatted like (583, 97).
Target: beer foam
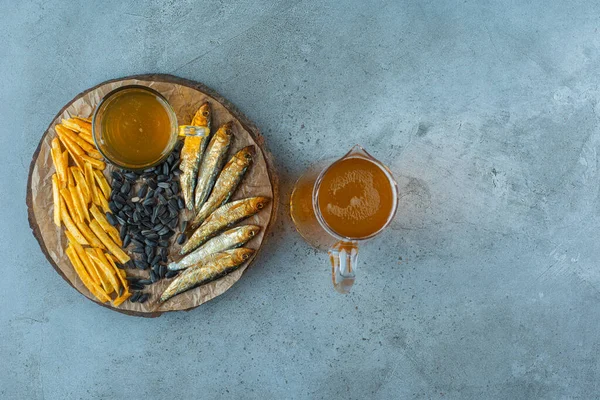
(362, 205)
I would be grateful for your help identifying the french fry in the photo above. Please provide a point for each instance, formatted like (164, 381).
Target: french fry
(73, 209)
(73, 137)
(108, 228)
(109, 243)
(121, 299)
(102, 183)
(103, 202)
(87, 138)
(78, 124)
(89, 235)
(65, 136)
(98, 164)
(70, 180)
(104, 281)
(56, 199)
(89, 266)
(120, 273)
(78, 204)
(70, 225)
(57, 158)
(83, 182)
(72, 148)
(95, 154)
(111, 274)
(82, 200)
(84, 119)
(85, 278)
(89, 177)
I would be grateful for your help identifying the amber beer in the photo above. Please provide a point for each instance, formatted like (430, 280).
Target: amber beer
(355, 198)
(335, 205)
(134, 127)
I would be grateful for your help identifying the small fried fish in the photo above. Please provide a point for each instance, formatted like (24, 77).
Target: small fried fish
(212, 163)
(232, 238)
(222, 264)
(228, 180)
(191, 153)
(223, 217)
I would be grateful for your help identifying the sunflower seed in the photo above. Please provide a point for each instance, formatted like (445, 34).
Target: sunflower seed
(113, 206)
(158, 227)
(152, 184)
(138, 250)
(155, 259)
(127, 240)
(126, 188)
(148, 202)
(149, 251)
(135, 297)
(171, 274)
(119, 199)
(164, 231)
(132, 279)
(164, 185)
(173, 223)
(181, 238)
(144, 282)
(131, 176)
(116, 176)
(163, 243)
(111, 219)
(183, 225)
(162, 178)
(141, 264)
(180, 203)
(120, 220)
(156, 269)
(143, 298)
(162, 271)
(167, 235)
(163, 254)
(153, 276)
(142, 192)
(151, 243)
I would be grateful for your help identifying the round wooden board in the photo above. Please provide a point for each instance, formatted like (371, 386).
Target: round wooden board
(93, 95)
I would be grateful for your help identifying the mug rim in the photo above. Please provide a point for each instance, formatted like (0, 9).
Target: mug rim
(317, 186)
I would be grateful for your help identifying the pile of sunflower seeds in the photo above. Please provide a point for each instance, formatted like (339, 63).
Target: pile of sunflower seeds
(145, 207)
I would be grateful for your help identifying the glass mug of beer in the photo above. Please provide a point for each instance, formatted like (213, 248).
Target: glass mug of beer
(338, 204)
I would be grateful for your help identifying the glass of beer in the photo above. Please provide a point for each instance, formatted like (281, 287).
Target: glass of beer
(337, 204)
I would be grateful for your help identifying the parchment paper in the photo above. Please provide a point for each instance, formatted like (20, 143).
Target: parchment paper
(185, 101)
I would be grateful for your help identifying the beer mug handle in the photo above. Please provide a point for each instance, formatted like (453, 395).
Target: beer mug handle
(344, 258)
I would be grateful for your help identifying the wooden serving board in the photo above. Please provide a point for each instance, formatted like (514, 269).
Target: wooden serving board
(185, 96)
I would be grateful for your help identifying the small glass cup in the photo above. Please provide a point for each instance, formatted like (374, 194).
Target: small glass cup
(310, 224)
(98, 133)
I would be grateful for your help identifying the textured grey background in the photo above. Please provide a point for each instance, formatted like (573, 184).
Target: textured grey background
(487, 284)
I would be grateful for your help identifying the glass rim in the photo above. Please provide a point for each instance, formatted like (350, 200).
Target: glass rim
(317, 186)
(164, 102)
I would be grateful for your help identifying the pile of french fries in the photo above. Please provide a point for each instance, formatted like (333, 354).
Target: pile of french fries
(79, 193)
